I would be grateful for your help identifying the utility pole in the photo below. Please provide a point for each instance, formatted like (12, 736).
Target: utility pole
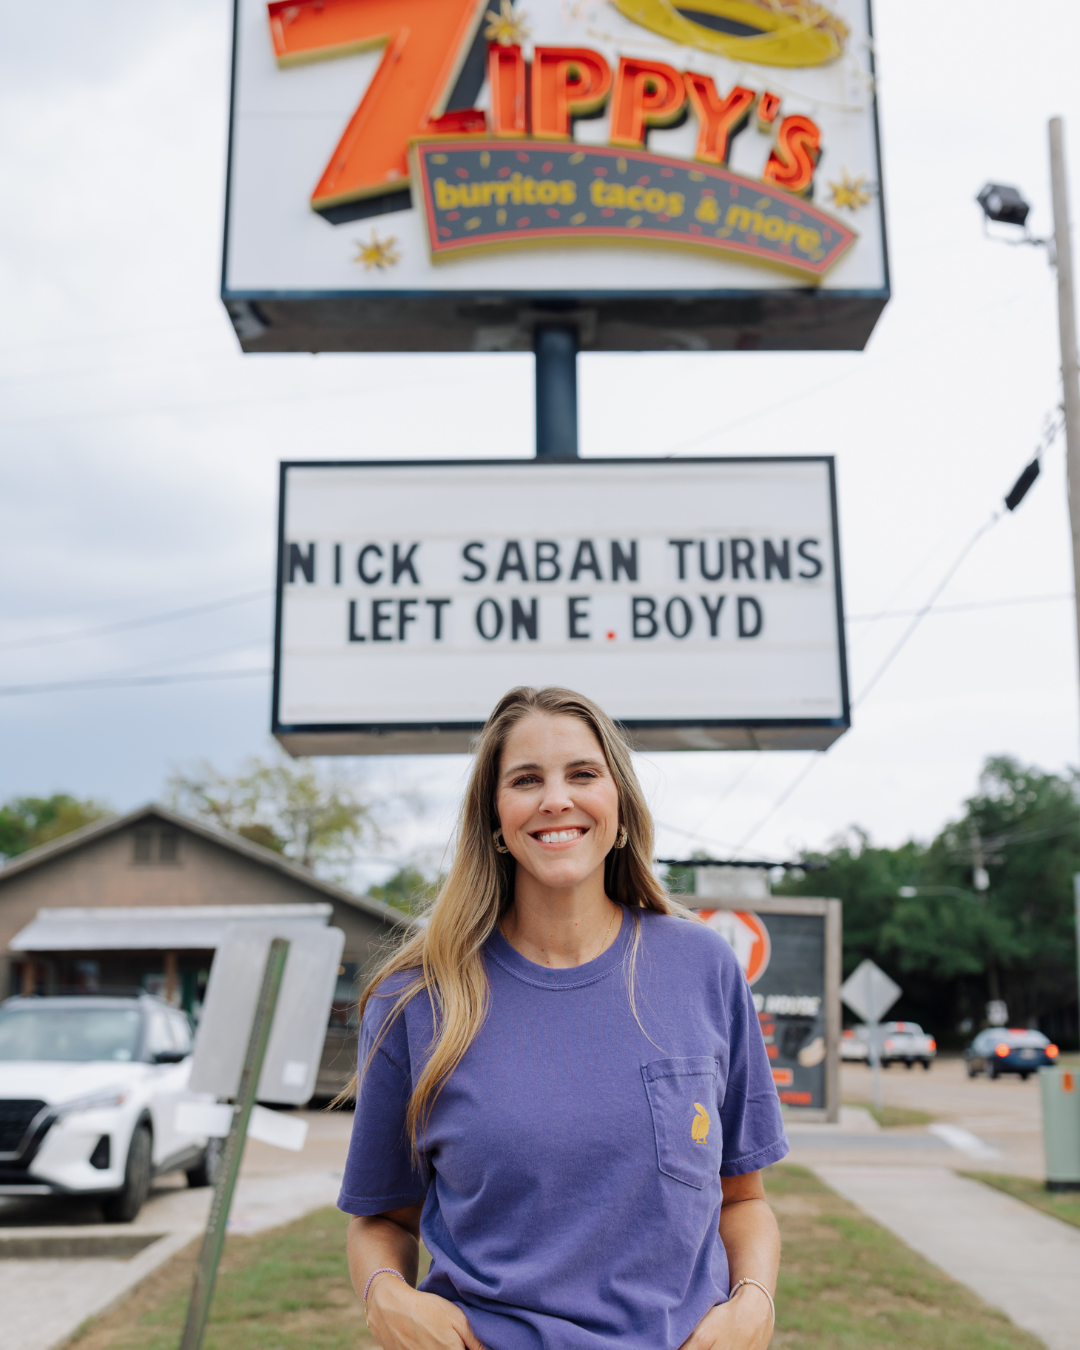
(1070, 371)
(1070, 374)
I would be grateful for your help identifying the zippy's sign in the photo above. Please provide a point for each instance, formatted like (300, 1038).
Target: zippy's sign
(434, 174)
(698, 601)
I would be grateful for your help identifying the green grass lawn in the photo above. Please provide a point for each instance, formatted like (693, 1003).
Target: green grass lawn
(286, 1289)
(889, 1116)
(1061, 1204)
(845, 1284)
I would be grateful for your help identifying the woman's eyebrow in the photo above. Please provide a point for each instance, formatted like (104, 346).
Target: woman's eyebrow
(586, 764)
(519, 768)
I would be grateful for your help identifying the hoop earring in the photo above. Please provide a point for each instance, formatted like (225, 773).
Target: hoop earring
(622, 837)
(500, 847)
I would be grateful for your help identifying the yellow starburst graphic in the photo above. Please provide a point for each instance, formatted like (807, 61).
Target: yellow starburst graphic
(508, 27)
(850, 192)
(378, 253)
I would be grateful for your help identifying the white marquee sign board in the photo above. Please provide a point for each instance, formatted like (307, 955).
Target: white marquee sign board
(698, 601)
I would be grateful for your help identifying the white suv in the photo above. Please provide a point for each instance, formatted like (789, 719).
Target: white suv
(89, 1088)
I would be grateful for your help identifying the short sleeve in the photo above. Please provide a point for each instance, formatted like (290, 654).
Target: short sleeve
(380, 1171)
(750, 1116)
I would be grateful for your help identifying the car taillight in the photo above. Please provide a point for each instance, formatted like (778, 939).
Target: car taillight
(1001, 1050)
(1051, 1052)
(931, 1044)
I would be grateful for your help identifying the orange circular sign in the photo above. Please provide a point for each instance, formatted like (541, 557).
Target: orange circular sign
(747, 935)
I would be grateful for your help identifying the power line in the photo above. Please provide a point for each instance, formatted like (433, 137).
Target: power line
(1051, 431)
(917, 344)
(897, 648)
(125, 625)
(52, 343)
(921, 614)
(215, 405)
(957, 609)
(10, 690)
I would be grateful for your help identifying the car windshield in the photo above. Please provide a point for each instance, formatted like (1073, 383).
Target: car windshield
(77, 1035)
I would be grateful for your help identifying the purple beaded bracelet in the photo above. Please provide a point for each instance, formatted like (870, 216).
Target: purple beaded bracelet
(383, 1270)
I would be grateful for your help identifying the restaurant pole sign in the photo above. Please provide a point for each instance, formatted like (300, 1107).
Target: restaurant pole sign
(447, 174)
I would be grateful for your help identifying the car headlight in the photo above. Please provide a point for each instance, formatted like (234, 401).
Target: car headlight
(94, 1101)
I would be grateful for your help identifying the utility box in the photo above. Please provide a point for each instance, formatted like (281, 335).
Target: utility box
(1061, 1127)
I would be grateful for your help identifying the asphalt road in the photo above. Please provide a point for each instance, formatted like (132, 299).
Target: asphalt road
(1004, 1114)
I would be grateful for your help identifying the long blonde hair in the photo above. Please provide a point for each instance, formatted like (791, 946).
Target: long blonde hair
(446, 954)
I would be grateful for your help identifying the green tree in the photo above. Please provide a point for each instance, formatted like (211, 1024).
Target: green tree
(26, 822)
(407, 889)
(950, 945)
(315, 818)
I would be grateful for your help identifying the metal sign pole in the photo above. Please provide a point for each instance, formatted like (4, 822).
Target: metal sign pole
(875, 1063)
(556, 346)
(202, 1289)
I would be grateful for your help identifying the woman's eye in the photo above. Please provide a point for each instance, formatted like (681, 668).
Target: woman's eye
(526, 780)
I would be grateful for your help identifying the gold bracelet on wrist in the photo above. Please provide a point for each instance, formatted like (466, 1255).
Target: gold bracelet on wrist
(758, 1285)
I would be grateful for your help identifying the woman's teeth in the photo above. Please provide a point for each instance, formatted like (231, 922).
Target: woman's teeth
(560, 836)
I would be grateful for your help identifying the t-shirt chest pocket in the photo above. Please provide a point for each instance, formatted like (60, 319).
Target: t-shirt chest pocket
(682, 1098)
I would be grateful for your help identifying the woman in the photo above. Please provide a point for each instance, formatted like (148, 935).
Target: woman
(561, 1078)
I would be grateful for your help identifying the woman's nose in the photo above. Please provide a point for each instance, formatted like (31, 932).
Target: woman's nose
(556, 799)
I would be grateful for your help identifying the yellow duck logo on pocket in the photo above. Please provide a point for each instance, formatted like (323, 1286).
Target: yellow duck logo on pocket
(699, 1128)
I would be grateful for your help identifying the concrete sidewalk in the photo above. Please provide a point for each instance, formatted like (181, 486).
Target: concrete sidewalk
(1015, 1258)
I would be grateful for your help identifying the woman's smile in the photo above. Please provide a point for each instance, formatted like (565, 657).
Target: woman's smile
(556, 838)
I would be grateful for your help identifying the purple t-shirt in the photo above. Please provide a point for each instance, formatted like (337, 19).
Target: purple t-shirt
(571, 1167)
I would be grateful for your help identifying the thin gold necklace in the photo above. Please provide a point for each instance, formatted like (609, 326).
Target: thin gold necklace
(599, 950)
(603, 944)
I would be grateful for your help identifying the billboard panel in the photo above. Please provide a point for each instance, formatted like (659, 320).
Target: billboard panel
(444, 174)
(790, 952)
(698, 601)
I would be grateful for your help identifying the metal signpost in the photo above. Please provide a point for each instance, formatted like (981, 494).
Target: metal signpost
(202, 1289)
(286, 1010)
(870, 993)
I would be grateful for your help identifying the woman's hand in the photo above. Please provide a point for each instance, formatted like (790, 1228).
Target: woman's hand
(742, 1323)
(402, 1318)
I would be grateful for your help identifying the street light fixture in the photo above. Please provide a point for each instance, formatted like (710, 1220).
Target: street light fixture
(1003, 204)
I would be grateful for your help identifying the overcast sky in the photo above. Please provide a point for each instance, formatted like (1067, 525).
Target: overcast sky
(140, 447)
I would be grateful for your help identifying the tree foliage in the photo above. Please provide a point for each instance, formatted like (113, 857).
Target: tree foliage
(407, 889)
(312, 817)
(26, 822)
(950, 946)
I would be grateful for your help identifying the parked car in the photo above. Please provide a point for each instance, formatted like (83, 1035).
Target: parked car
(853, 1046)
(999, 1050)
(906, 1043)
(89, 1089)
